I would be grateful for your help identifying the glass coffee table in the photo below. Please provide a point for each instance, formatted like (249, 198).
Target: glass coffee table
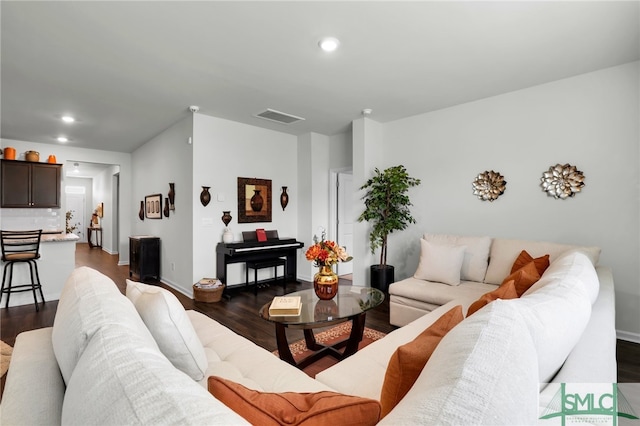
(351, 304)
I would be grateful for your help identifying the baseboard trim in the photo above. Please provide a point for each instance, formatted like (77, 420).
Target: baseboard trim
(177, 287)
(628, 336)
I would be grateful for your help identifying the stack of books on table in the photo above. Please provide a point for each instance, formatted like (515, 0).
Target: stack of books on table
(209, 283)
(285, 306)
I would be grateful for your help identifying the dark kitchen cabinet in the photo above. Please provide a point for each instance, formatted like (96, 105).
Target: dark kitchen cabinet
(144, 257)
(30, 185)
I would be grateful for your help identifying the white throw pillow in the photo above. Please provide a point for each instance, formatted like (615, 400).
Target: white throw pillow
(476, 253)
(440, 262)
(170, 326)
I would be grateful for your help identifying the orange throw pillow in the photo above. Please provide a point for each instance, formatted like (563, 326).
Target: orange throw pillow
(524, 277)
(506, 291)
(542, 262)
(291, 408)
(408, 360)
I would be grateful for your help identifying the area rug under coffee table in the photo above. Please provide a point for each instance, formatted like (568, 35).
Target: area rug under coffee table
(300, 351)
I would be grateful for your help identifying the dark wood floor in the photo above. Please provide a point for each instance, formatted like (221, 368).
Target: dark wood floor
(239, 313)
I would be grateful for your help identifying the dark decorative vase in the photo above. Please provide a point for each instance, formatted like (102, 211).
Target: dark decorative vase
(172, 195)
(256, 201)
(382, 276)
(141, 212)
(284, 198)
(205, 196)
(325, 283)
(226, 217)
(166, 207)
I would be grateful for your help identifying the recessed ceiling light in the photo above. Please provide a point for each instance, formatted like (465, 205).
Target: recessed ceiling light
(329, 44)
(62, 139)
(68, 119)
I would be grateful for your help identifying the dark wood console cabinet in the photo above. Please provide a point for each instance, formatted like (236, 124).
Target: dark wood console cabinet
(144, 257)
(31, 185)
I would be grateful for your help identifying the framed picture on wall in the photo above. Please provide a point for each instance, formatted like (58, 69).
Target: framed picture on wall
(254, 200)
(153, 206)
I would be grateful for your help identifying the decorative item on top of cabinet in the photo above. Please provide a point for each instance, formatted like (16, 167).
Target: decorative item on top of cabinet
(205, 195)
(562, 181)
(172, 195)
(141, 211)
(166, 207)
(33, 156)
(284, 198)
(9, 153)
(489, 185)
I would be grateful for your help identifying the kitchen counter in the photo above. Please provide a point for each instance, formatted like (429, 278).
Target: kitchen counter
(47, 238)
(57, 261)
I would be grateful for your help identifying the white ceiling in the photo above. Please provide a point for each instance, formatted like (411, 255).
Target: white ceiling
(129, 70)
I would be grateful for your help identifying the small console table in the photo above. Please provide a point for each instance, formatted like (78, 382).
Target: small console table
(98, 231)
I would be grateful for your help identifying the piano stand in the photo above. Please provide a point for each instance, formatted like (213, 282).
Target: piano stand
(270, 263)
(257, 252)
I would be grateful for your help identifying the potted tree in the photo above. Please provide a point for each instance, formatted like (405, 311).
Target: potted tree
(386, 207)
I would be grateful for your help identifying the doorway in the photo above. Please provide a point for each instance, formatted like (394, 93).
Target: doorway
(76, 209)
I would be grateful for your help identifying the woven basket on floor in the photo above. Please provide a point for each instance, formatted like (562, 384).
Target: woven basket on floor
(207, 295)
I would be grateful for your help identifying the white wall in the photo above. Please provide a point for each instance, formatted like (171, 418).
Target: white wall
(224, 150)
(70, 153)
(590, 121)
(167, 158)
(367, 155)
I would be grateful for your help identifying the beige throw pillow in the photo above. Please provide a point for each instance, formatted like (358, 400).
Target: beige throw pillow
(170, 326)
(439, 262)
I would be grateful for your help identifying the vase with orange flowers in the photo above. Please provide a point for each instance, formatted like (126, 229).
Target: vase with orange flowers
(324, 254)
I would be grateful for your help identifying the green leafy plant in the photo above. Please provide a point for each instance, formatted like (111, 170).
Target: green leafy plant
(386, 206)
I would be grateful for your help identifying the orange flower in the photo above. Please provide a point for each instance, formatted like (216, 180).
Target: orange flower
(326, 253)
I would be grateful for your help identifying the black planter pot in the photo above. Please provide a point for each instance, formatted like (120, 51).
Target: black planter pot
(381, 277)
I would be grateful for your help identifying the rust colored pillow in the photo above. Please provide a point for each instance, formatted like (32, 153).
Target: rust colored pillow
(506, 291)
(524, 277)
(542, 262)
(407, 362)
(291, 408)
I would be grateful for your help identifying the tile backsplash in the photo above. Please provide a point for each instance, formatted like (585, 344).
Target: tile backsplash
(25, 219)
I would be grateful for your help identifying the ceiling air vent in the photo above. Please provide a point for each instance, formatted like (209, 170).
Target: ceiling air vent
(278, 117)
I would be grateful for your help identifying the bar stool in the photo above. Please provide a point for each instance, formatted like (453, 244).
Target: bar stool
(21, 247)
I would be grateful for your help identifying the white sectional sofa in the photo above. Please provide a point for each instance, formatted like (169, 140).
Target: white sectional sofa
(486, 262)
(103, 363)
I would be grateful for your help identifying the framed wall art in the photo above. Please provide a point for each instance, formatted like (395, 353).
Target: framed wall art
(153, 206)
(254, 200)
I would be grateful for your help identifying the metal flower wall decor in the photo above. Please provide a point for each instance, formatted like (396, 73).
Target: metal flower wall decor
(489, 185)
(562, 181)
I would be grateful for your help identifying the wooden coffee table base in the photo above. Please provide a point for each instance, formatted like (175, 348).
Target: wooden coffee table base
(351, 343)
